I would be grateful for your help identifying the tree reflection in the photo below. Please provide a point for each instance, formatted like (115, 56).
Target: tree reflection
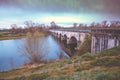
(33, 47)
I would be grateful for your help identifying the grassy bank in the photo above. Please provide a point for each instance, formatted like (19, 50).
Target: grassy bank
(6, 35)
(11, 37)
(104, 65)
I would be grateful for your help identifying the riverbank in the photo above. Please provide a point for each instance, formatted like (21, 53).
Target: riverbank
(6, 35)
(104, 65)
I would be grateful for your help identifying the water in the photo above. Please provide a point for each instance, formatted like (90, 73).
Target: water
(10, 54)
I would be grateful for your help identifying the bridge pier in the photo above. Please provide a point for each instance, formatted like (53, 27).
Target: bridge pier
(104, 39)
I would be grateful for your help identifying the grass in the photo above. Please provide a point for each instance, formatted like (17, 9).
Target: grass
(4, 32)
(107, 61)
(93, 75)
(34, 77)
(11, 37)
(88, 56)
(6, 35)
(109, 52)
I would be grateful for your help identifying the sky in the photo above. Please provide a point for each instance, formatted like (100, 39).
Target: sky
(63, 12)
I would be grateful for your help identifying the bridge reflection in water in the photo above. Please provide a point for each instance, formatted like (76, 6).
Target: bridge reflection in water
(102, 38)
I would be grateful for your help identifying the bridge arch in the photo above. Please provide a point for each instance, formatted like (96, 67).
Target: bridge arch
(72, 44)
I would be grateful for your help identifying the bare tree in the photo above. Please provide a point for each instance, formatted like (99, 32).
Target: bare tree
(104, 24)
(80, 25)
(29, 23)
(32, 48)
(115, 24)
(75, 25)
(92, 24)
(53, 25)
(14, 28)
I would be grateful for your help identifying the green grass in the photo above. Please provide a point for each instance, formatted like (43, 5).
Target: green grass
(11, 37)
(4, 32)
(109, 52)
(107, 61)
(34, 77)
(93, 75)
(6, 35)
(88, 56)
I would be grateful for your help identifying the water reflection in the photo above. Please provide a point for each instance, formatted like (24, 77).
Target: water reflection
(54, 49)
(10, 54)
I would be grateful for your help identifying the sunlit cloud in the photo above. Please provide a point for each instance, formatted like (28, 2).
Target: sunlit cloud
(62, 19)
(70, 18)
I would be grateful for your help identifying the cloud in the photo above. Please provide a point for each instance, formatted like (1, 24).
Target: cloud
(74, 6)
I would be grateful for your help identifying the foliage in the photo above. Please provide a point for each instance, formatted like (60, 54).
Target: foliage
(86, 45)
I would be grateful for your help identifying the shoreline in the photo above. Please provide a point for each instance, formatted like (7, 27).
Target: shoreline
(17, 36)
(11, 37)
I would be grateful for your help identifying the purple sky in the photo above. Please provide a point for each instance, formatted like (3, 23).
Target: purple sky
(63, 12)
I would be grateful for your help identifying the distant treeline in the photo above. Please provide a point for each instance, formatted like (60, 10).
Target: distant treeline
(105, 24)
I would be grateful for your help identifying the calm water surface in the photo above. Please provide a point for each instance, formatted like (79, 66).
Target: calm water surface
(10, 54)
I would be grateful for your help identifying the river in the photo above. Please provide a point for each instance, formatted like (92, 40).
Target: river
(11, 56)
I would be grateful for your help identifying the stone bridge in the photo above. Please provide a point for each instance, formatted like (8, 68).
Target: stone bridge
(65, 36)
(78, 33)
(102, 38)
